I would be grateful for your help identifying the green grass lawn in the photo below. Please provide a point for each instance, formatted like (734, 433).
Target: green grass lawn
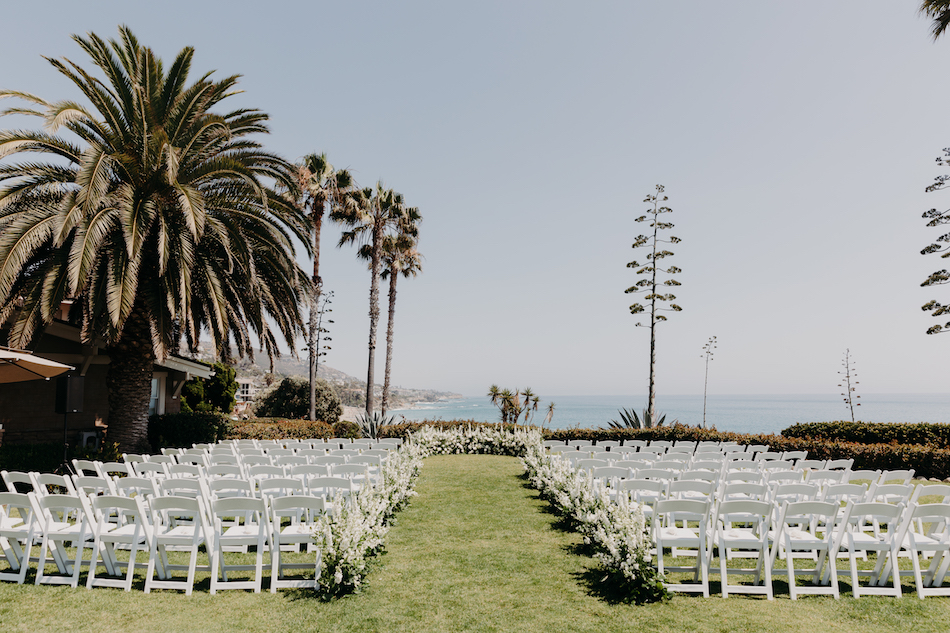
(476, 550)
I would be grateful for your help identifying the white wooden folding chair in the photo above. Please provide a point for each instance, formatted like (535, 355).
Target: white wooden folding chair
(292, 523)
(929, 542)
(18, 528)
(62, 519)
(177, 522)
(797, 531)
(119, 521)
(884, 541)
(239, 522)
(667, 533)
(742, 526)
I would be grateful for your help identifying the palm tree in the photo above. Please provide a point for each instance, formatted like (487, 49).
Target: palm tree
(369, 216)
(320, 185)
(400, 258)
(939, 11)
(159, 218)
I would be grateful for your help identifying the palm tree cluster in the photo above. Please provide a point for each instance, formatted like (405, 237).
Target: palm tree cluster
(160, 219)
(385, 231)
(512, 407)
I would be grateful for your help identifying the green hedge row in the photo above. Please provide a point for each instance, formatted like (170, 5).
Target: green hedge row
(922, 433)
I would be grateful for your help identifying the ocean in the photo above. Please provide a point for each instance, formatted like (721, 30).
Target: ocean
(740, 414)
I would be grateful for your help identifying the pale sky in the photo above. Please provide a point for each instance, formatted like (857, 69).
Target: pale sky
(795, 141)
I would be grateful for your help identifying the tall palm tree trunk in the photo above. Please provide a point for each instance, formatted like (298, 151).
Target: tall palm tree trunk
(314, 306)
(129, 381)
(393, 275)
(373, 312)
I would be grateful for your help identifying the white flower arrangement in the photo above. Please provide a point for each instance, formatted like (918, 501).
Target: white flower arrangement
(617, 531)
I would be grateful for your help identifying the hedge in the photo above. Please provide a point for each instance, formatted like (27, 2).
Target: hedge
(922, 433)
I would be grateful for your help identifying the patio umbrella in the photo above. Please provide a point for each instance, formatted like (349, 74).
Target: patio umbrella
(19, 365)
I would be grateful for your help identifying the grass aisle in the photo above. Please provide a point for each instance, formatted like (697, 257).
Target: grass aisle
(476, 550)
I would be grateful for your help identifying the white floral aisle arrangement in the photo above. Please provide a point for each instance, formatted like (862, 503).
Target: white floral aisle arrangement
(476, 440)
(617, 532)
(352, 532)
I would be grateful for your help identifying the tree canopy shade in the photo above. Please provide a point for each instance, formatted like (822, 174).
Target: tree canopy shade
(160, 219)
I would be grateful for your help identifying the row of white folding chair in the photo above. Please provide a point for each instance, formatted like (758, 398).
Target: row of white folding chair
(110, 521)
(816, 527)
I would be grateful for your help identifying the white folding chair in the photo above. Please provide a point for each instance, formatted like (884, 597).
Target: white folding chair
(177, 522)
(119, 521)
(929, 543)
(62, 519)
(667, 533)
(239, 522)
(796, 531)
(18, 528)
(751, 540)
(292, 522)
(885, 541)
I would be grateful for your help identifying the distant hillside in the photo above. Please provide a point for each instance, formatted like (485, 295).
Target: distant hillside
(350, 389)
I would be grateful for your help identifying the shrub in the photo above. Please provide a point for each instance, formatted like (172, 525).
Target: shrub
(47, 457)
(277, 429)
(291, 399)
(182, 430)
(923, 433)
(214, 394)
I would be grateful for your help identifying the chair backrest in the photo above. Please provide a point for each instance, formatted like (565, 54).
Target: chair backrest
(85, 467)
(934, 493)
(162, 459)
(280, 452)
(706, 464)
(230, 487)
(281, 487)
(681, 449)
(794, 455)
(297, 508)
(118, 509)
(312, 452)
(634, 464)
(839, 464)
(265, 470)
(328, 460)
(61, 508)
(256, 460)
(739, 456)
(666, 511)
(290, 460)
(647, 491)
(752, 511)
(345, 452)
(50, 483)
(766, 456)
(310, 470)
(805, 513)
(549, 443)
(136, 486)
(17, 481)
(185, 470)
(891, 493)
(16, 511)
(579, 443)
(810, 464)
(181, 487)
(690, 489)
(350, 471)
(373, 461)
(610, 472)
(749, 476)
(605, 444)
(149, 469)
(785, 476)
(248, 508)
(329, 487)
(825, 477)
(192, 460)
(739, 490)
(870, 476)
(129, 458)
(844, 493)
(92, 486)
(795, 492)
(896, 476)
(586, 464)
(224, 470)
(223, 459)
(699, 475)
(657, 473)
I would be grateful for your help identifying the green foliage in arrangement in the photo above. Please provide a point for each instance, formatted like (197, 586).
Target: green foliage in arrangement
(182, 430)
(291, 399)
(214, 394)
(922, 433)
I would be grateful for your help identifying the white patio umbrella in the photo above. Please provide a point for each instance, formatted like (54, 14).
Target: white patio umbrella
(20, 365)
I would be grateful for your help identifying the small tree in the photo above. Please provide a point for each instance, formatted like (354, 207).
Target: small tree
(291, 399)
(848, 384)
(708, 355)
(650, 281)
(214, 394)
(941, 245)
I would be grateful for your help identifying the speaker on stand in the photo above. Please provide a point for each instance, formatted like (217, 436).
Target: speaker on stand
(69, 395)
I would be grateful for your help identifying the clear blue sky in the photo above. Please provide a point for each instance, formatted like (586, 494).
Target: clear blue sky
(795, 141)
